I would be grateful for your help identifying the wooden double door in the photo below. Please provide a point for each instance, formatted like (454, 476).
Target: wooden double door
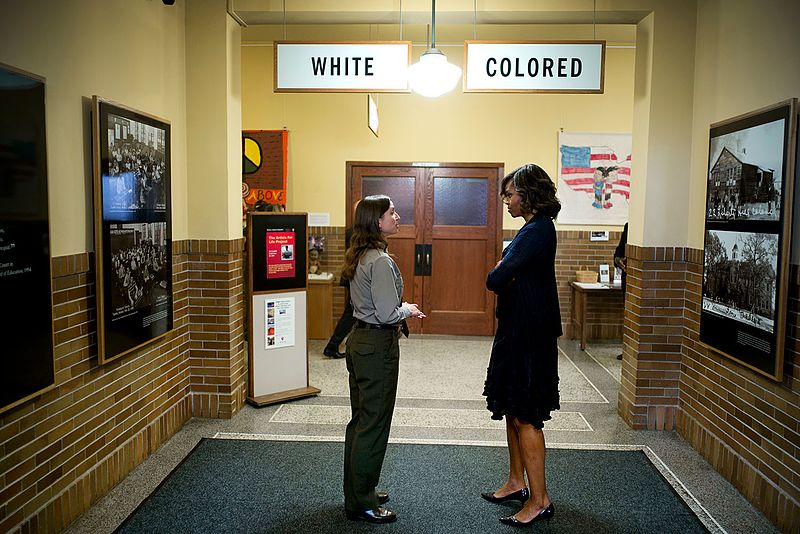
(449, 238)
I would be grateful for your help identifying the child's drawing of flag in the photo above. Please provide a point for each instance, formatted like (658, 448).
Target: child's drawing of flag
(578, 165)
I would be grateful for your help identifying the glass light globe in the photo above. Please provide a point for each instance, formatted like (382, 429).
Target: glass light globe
(432, 75)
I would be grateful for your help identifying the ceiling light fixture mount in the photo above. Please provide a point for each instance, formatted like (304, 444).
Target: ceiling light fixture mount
(432, 75)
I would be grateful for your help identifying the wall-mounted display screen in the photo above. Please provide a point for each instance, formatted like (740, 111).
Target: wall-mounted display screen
(25, 280)
(279, 255)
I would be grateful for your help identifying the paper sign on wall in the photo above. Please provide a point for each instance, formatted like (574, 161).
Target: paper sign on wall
(279, 329)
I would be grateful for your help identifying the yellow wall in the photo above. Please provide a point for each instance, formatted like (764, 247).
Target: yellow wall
(747, 58)
(663, 119)
(214, 121)
(326, 130)
(132, 54)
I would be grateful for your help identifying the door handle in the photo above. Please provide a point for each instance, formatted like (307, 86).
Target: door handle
(428, 258)
(419, 268)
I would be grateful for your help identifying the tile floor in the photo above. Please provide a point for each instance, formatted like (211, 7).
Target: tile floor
(439, 401)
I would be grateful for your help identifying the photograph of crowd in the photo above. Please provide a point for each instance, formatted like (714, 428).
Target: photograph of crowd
(137, 166)
(139, 267)
(739, 278)
(745, 173)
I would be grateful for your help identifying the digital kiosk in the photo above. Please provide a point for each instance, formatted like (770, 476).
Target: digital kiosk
(277, 259)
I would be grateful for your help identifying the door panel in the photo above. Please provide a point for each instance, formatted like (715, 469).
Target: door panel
(459, 202)
(455, 306)
(401, 189)
(400, 184)
(464, 236)
(448, 217)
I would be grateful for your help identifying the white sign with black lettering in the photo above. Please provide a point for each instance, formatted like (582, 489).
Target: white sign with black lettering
(345, 67)
(534, 66)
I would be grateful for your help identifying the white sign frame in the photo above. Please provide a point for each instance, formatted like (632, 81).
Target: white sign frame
(527, 63)
(295, 69)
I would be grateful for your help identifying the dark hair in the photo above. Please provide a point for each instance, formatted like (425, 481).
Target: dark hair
(263, 205)
(366, 232)
(537, 190)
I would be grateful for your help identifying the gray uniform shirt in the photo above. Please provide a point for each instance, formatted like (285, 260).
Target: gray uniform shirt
(376, 290)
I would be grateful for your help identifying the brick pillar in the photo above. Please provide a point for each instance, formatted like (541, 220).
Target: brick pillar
(217, 359)
(653, 336)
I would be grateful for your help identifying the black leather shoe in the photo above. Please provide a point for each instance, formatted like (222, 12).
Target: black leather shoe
(378, 515)
(332, 353)
(545, 513)
(519, 495)
(383, 497)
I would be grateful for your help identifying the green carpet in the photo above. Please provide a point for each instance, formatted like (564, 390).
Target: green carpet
(253, 486)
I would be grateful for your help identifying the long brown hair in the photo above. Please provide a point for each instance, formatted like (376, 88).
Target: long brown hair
(366, 232)
(537, 190)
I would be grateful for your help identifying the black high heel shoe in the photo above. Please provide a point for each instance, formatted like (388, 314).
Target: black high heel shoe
(519, 495)
(545, 513)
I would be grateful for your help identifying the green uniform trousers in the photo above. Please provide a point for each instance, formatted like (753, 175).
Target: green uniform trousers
(373, 362)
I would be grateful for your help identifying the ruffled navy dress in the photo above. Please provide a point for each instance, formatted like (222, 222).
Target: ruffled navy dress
(522, 379)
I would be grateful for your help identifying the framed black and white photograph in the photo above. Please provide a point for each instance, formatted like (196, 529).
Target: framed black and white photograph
(740, 273)
(133, 233)
(748, 235)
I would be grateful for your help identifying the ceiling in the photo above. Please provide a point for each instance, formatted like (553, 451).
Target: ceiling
(304, 12)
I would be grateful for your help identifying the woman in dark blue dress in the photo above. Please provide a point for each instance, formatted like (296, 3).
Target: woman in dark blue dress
(522, 379)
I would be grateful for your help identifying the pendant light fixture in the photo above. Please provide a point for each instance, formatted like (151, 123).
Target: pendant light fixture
(432, 75)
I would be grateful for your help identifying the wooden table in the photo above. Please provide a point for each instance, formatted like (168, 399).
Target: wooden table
(320, 307)
(580, 296)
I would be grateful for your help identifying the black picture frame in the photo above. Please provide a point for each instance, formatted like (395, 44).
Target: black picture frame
(284, 272)
(132, 228)
(25, 263)
(749, 203)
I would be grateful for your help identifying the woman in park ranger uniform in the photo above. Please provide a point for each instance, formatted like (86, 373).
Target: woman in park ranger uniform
(373, 355)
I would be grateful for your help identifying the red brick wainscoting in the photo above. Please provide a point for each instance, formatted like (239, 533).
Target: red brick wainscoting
(653, 336)
(576, 252)
(217, 357)
(65, 449)
(744, 424)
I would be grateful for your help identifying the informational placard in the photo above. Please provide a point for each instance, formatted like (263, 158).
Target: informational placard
(277, 336)
(534, 66)
(319, 219)
(132, 228)
(341, 67)
(280, 320)
(281, 258)
(605, 276)
(25, 281)
(279, 254)
(749, 200)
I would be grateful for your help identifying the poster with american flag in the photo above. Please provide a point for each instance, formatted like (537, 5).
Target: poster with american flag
(594, 178)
